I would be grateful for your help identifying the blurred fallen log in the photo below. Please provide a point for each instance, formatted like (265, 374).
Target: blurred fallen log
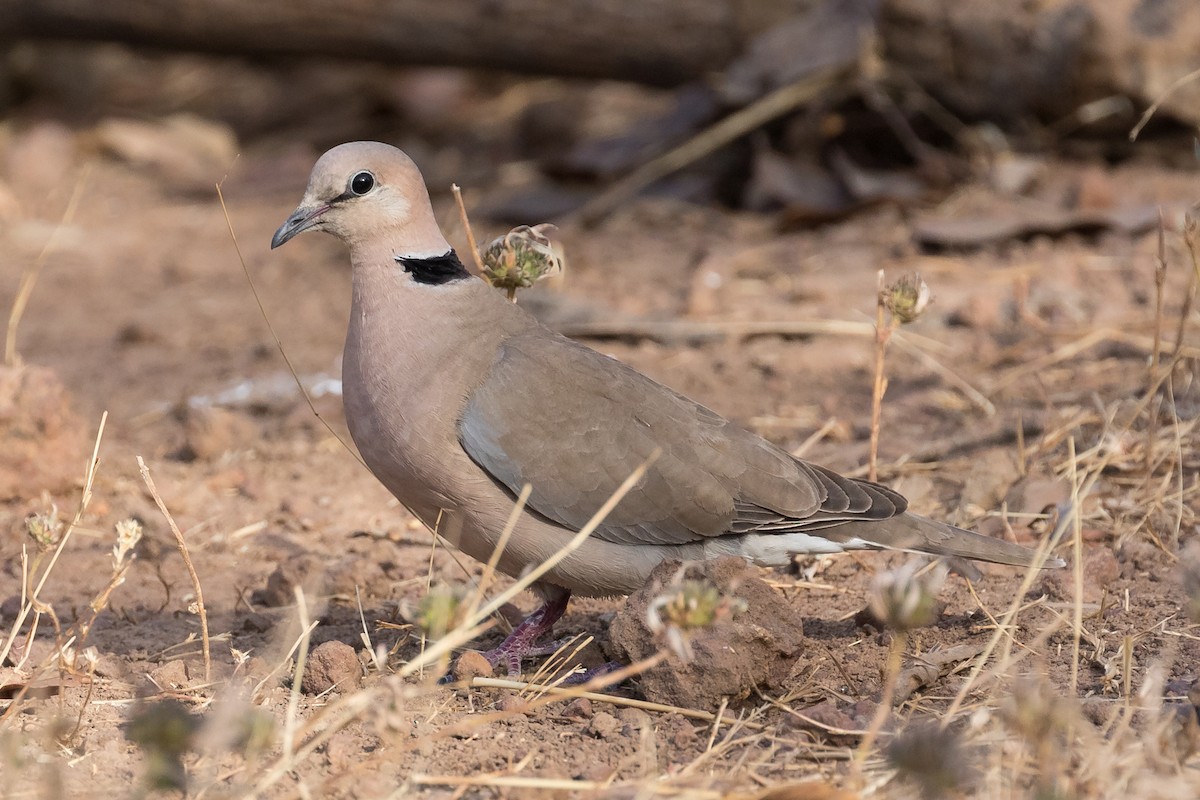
(656, 42)
(979, 58)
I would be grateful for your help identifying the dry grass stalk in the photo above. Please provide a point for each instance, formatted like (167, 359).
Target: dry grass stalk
(30, 276)
(187, 562)
(32, 603)
(768, 107)
(466, 223)
(559, 693)
(896, 304)
(306, 628)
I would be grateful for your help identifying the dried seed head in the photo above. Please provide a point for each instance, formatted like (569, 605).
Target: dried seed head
(907, 298)
(438, 612)
(45, 528)
(932, 757)
(691, 605)
(165, 732)
(904, 600)
(255, 731)
(129, 533)
(521, 257)
(1034, 710)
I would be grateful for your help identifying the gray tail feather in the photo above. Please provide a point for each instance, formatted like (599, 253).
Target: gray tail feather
(914, 533)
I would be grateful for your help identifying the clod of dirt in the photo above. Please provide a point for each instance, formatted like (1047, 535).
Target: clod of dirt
(212, 432)
(580, 708)
(304, 571)
(42, 443)
(729, 657)
(1100, 570)
(331, 665)
(472, 664)
(604, 725)
(171, 676)
(513, 704)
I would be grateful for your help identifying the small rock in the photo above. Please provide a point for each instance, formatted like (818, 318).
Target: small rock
(604, 725)
(212, 432)
(472, 664)
(331, 665)
(1100, 570)
(512, 704)
(679, 732)
(171, 676)
(1138, 555)
(580, 708)
(111, 666)
(305, 571)
(343, 750)
(635, 718)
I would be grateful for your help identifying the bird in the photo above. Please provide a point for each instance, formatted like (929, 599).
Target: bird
(457, 399)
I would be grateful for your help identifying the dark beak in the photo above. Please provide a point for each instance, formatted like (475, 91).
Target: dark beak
(301, 220)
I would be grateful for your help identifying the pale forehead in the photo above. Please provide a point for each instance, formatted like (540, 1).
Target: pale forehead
(387, 163)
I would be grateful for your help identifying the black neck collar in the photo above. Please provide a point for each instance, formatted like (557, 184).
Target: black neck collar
(434, 270)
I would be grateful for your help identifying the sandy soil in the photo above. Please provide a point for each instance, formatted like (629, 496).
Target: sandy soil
(142, 311)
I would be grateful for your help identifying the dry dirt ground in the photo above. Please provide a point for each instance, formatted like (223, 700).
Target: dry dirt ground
(143, 312)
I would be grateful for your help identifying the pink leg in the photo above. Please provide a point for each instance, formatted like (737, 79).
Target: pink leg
(523, 640)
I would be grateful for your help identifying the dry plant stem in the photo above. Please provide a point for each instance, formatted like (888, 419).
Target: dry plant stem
(753, 116)
(1149, 112)
(1077, 549)
(883, 332)
(84, 501)
(466, 223)
(289, 725)
(283, 662)
(187, 562)
(514, 782)
(973, 395)
(30, 276)
(1189, 236)
(884, 709)
(1160, 278)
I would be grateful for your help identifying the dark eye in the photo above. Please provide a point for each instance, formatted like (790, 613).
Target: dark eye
(362, 183)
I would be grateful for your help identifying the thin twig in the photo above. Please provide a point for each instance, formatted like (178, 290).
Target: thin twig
(293, 706)
(1149, 112)
(884, 709)
(187, 562)
(279, 343)
(753, 116)
(1160, 279)
(466, 223)
(883, 332)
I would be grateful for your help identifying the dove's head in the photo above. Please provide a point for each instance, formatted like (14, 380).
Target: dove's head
(369, 195)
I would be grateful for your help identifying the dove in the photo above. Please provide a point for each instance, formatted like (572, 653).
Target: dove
(457, 399)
